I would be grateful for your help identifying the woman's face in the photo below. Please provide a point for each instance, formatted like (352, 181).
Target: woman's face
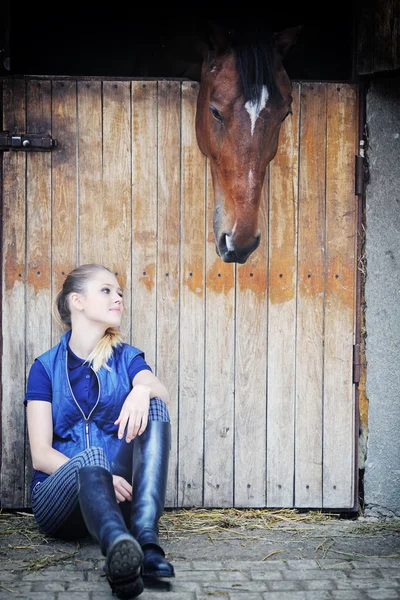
(102, 301)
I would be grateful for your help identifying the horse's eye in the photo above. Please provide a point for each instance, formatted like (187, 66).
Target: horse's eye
(216, 114)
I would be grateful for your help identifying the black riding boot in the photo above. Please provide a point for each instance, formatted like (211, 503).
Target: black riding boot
(105, 523)
(149, 483)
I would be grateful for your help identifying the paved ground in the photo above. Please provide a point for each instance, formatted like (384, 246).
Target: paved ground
(225, 555)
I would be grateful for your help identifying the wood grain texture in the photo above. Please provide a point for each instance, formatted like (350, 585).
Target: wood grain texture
(257, 358)
(251, 370)
(219, 371)
(283, 217)
(341, 219)
(90, 170)
(12, 475)
(115, 236)
(64, 187)
(168, 273)
(192, 308)
(144, 218)
(310, 294)
(378, 37)
(38, 233)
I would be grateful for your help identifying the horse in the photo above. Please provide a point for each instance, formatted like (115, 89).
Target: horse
(244, 97)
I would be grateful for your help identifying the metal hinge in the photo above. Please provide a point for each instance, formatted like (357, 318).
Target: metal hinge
(356, 363)
(29, 142)
(359, 179)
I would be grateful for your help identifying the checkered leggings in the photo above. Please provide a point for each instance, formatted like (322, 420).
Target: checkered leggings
(55, 502)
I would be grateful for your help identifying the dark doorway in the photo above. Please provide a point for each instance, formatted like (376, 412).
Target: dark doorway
(131, 40)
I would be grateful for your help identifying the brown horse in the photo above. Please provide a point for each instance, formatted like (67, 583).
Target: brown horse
(244, 96)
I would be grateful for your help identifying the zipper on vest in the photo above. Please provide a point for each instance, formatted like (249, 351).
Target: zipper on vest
(87, 433)
(77, 403)
(86, 419)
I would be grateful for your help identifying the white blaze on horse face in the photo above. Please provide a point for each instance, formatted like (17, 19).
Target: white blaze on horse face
(254, 108)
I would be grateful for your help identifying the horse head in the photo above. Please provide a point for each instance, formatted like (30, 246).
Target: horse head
(244, 97)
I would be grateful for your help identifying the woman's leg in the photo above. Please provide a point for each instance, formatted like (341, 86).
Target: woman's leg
(55, 501)
(122, 464)
(105, 523)
(84, 487)
(149, 482)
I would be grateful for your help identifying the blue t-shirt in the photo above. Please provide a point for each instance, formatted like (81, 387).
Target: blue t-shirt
(84, 384)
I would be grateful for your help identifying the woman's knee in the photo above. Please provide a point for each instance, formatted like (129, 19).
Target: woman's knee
(158, 410)
(96, 457)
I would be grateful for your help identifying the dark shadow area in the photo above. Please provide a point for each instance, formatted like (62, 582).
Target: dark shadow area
(131, 40)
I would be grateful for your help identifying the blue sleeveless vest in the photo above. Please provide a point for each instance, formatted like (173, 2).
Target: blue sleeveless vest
(72, 432)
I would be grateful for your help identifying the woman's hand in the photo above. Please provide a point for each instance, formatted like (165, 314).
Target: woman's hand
(134, 413)
(123, 489)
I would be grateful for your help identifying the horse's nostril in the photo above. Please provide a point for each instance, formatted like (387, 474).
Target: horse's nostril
(222, 244)
(231, 253)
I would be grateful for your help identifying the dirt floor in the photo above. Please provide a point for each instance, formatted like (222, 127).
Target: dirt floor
(211, 535)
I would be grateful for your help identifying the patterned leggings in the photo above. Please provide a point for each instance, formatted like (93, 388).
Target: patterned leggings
(55, 503)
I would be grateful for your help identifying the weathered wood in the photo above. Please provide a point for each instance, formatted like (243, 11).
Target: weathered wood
(378, 37)
(90, 161)
(144, 218)
(13, 304)
(168, 260)
(387, 35)
(192, 305)
(117, 200)
(251, 370)
(341, 205)
(310, 294)
(282, 312)
(64, 200)
(257, 359)
(219, 371)
(38, 232)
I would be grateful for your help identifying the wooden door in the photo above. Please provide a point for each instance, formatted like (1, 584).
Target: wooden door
(257, 357)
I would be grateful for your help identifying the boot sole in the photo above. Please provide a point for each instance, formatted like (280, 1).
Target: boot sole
(123, 565)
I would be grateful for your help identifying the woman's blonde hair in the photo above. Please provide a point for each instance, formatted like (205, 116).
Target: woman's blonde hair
(76, 282)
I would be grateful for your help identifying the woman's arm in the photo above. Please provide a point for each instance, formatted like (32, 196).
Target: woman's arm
(156, 388)
(40, 431)
(135, 410)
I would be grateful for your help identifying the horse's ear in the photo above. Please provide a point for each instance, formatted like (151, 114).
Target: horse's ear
(284, 40)
(214, 39)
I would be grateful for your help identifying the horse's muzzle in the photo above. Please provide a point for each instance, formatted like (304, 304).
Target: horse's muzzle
(236, 254)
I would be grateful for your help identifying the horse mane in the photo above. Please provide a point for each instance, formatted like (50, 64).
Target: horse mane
(256, 66)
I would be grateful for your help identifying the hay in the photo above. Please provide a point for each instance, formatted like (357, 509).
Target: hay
(22, 525)
(213, 521)
(370, 529)
(49, 560)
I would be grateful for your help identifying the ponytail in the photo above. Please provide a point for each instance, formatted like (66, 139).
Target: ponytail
(76, 282)
(103, 350)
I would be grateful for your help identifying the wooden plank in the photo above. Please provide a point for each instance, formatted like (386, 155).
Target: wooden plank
(38, 233)
(64, 200)
(309, 347)
(117, 193)
(282, 312)
(341, 232)
(219, 371)
(251, 370)
(378, 37)
(387, 35)
(168, 260)
(90, 167)
(191, 404)
(13, 303)
(144, 217)
(365, 38)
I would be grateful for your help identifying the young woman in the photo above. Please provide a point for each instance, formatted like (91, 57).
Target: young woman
(100, 434)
